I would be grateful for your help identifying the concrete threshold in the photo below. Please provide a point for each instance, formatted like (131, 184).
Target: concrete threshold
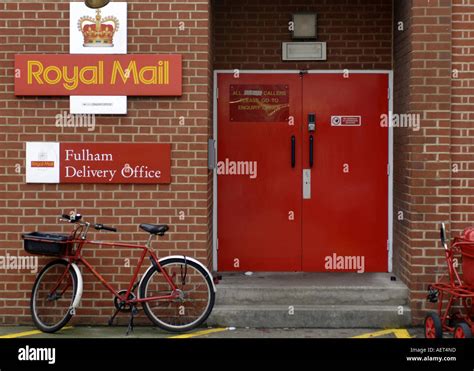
(311, 300)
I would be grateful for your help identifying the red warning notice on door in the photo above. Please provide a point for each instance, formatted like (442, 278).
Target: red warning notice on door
(346, 121)
(259, 103)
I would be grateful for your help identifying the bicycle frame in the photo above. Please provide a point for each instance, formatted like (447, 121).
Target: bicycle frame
(80, 241)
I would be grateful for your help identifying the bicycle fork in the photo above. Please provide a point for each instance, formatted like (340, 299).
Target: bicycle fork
(80, 288)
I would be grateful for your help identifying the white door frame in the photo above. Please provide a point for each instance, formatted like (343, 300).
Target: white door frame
(215, 241)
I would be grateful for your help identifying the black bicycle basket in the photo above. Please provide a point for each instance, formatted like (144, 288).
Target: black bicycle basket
(39, 243)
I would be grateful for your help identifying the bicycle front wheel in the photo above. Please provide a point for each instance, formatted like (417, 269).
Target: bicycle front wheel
(53, 295)
(194, 304)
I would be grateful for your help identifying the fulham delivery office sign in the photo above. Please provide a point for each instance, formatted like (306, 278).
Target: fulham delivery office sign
(52, 162)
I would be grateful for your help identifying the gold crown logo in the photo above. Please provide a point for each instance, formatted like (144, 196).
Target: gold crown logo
(99, 31)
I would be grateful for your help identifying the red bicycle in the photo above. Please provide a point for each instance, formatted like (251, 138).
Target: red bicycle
(177, 293)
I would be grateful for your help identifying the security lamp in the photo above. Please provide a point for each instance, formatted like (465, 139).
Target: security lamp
(95, 4)
(304, 26)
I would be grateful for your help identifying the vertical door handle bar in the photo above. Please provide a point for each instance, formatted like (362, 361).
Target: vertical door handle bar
(311, 150)
(293, 149)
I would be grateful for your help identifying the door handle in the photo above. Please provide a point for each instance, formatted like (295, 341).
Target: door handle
(311, 150)
(293, 151)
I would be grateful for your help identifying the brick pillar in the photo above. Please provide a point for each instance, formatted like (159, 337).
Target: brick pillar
(462, 133)
(422, 191)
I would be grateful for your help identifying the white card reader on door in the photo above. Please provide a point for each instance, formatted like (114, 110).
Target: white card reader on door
(306, 184)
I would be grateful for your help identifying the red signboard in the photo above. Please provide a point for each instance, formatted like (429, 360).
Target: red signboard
(346, 120)
(90, 74)
(259, 103)
(115, 163)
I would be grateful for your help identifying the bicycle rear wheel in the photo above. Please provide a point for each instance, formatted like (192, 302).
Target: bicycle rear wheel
(194, 305)
(53, 295)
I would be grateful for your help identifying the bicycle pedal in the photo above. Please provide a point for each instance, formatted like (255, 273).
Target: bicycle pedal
(432, 295)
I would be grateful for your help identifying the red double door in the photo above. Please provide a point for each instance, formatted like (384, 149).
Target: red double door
(293, 196)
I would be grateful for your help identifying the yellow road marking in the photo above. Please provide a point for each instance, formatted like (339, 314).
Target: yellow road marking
(399, 333)
(27, 333)
(198, 333)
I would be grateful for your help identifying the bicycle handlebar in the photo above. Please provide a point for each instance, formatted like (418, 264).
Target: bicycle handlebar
(75, 218)
(105, 227)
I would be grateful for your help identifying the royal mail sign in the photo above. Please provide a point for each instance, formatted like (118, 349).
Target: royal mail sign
(51, 162)
(66, 74)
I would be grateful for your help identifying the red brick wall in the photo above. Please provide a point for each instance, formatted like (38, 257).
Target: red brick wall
(42, 27)
(248, 33)
(422, 158)
(401, 141)
(462, 117)
(210, 133)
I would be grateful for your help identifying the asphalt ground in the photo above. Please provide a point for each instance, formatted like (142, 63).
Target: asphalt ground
(154, 332)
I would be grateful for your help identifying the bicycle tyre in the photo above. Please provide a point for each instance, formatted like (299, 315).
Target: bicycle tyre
(174, 328)
(36, 320)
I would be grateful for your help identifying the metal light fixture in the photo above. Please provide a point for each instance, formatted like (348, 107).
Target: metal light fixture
(304, 26)
(96, 4)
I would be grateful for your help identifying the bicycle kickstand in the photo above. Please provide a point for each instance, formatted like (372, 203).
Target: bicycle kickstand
(111, 319)
(133, 313)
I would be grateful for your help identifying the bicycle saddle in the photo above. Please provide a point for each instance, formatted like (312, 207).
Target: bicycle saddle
(158, 229)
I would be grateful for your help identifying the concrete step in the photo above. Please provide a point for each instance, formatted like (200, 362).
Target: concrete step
(310, 316)
(310, 289)
(326, 300)
(228, 295)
